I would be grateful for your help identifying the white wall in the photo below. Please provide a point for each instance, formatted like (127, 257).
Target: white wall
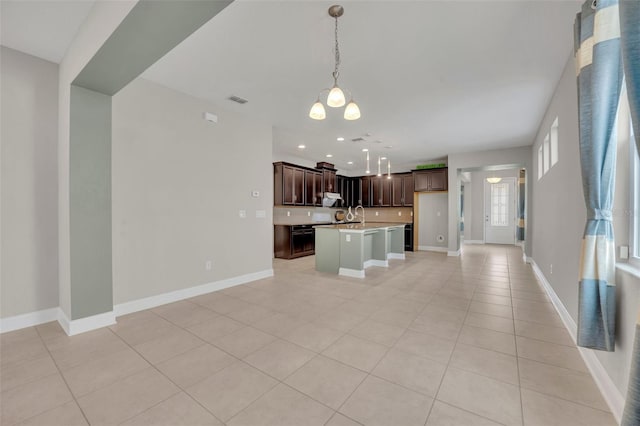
(433, 219)
(178, 184)
(29, 183)
(559, 217)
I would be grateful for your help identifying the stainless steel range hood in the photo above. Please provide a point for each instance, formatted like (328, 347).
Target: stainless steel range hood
(330, 198)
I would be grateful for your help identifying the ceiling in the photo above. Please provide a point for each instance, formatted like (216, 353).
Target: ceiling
(41, 28)
(431, 77)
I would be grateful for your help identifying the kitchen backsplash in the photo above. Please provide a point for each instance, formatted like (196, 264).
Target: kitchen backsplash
(289, 215)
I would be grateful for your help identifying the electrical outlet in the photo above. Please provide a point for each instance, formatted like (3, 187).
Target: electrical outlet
(255, 194)
(399, 213)
(242, 214)
(551, 269)
(347, 238)
(208, 265)
(288, 213)
(309, 214)
(377, 214)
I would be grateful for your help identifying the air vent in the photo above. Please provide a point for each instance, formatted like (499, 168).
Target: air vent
(357, 140)
(238, 99)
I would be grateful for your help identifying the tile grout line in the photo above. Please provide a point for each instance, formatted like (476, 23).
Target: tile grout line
(63, 379)
(164, 375)
(517, 358)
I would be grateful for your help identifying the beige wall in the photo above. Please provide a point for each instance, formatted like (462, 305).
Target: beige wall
(29, 184)
(179, 183)
(559, 217)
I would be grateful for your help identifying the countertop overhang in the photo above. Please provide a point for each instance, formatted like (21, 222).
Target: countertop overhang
(358, 227)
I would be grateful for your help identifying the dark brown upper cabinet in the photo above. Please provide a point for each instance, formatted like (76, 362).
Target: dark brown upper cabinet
(380, 191)
(365, 191)
(402, 190)
(431, 180)
(313, 188)
(288, 185)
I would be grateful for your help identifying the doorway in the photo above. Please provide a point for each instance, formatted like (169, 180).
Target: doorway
(500, 211)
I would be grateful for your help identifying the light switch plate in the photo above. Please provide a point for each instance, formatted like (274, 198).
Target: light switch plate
(242, 214)
(624, 252)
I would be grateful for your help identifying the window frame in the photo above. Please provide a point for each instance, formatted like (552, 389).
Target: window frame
(634, 205)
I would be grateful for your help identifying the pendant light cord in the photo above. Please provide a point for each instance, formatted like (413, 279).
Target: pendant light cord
(337, 52)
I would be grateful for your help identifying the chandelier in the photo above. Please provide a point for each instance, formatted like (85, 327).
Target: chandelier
(335, 98)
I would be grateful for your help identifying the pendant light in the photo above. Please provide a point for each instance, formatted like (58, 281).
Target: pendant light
(336, 97)
(368, 169)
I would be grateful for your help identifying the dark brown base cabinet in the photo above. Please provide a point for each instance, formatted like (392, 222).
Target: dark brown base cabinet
(291, 241)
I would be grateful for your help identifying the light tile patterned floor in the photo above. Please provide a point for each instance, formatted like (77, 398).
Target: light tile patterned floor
(432, 340)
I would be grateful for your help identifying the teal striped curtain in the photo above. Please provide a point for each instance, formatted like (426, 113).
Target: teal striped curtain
(630, 39)
(599, 67)
(520, 229)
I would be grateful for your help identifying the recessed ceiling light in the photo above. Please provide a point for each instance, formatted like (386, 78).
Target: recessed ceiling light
(329, 155)
(349, 162)
(389, 146)
(340, 139)
(365, 150)
(383, 158)
(302, 146)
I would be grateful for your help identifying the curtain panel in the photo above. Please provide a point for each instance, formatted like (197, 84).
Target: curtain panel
(521, 193)
(599, 69)
(630, 42)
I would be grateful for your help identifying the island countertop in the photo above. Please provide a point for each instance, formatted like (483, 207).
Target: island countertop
(358, 227)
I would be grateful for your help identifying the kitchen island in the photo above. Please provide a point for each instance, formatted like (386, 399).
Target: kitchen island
(348, 249)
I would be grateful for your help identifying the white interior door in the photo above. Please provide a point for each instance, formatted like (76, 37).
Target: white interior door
(500, 212)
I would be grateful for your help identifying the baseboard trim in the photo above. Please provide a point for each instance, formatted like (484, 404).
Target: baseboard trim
(608, 389)
(433, 248)
(454, 253)
(82, 325)
(399, 256)
(29, 319)
(474, 241)
(187, 293)
(375, 262)
(354, 273)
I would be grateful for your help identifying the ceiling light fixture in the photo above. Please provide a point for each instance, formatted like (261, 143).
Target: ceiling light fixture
(336, 97)
(301, 146)
(493, 179)
(365, 150)
(329, 155)
(349, 162)
(340, 139)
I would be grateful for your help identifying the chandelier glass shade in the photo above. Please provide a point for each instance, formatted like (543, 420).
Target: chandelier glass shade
(336, 97)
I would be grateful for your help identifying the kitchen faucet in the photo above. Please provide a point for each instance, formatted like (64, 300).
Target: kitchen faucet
(356, 211)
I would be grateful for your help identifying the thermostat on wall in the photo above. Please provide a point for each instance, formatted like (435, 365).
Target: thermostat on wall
(210, 117)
